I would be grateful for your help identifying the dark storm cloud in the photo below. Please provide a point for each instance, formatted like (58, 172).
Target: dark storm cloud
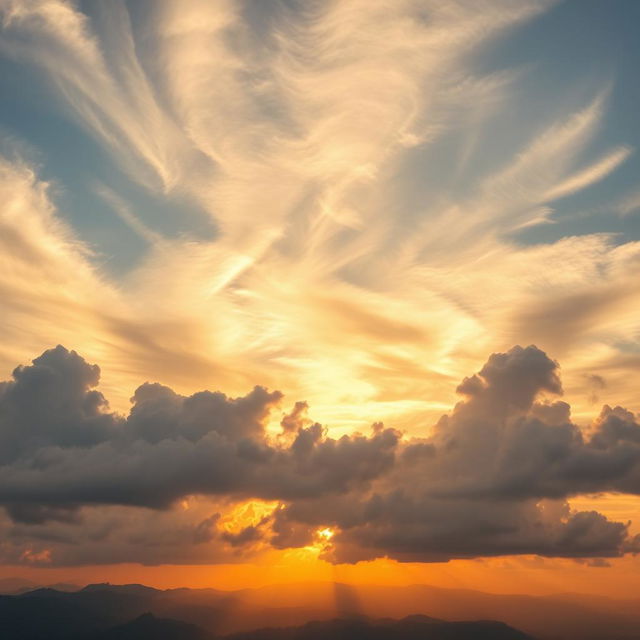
(62, 447)
(53, 403)
(115, 534)
(247, 535)
(296, 419)
(413, 529)
(492, 478)
(503, 442)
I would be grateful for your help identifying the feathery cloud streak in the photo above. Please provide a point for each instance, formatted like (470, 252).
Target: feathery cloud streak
(360, 214)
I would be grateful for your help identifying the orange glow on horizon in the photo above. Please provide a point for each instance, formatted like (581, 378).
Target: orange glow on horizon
(511, 574)
(530, 575)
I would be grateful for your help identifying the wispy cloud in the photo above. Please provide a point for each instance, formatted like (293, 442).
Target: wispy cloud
(591, 174)
(350, 266)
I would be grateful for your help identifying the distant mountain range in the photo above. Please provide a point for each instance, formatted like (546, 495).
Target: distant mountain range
(410, 628)
(13, 586)
(284, 612)
(149, 627)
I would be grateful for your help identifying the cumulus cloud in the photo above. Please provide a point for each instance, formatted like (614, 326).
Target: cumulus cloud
(62, 446)
(491, 478)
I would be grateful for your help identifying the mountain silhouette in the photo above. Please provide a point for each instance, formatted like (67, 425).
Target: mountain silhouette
(284, 612)
(410, 628)
(148, 627)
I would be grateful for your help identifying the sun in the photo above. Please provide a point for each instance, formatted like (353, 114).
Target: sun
(325, 534)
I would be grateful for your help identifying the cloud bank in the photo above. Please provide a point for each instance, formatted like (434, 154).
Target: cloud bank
(492, 477)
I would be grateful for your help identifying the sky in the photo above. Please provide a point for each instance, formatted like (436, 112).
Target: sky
(321, 286)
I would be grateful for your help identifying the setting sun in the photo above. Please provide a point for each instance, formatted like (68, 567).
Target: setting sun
(325, 534)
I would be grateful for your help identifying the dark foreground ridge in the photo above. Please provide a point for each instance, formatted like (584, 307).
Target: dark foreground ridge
(148, 627)
(283, 612)
(89, 614)
(410, 628)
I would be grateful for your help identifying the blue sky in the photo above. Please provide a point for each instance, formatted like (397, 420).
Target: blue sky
(564, 56)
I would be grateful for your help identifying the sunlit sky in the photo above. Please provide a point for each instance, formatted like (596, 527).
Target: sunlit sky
(353, 202)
